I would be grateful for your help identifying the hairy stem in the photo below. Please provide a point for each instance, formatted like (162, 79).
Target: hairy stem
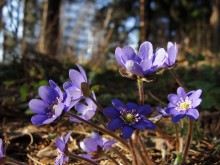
(177, 138)
(181, 135)
(123, 158)
(141, 91)
(142, 156)
(190, 129)
(156, 98)
(141, 102)
(134, 156)
(111, 158)
(100, 129)
(176, 77)
(148, 160)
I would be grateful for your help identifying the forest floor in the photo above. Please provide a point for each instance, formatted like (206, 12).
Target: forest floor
(36, 145)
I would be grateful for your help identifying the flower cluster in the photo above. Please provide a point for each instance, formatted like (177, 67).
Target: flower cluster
(54, 101)
(129, 117)
(146, 61)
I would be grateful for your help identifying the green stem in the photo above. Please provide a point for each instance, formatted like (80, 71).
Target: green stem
(82, 158)
(100, 129)
(135, 162)
(190, 129)
(177, 138)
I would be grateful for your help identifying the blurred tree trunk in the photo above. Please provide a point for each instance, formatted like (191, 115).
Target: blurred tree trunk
(49, 40)
(214, 21)
(145, 19)
(2, 3)
(142, 21)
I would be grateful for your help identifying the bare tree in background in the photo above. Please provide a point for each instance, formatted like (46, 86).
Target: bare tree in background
(49, 40)
(214, 21)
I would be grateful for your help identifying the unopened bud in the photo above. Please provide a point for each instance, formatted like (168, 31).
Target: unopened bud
(85, 89)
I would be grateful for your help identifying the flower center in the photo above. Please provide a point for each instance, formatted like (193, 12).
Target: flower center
(184, 104)
(130, 116)
(53, 106)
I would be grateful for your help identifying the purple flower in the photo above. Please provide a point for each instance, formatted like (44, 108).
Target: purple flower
(163, 112)
(50, 106)
(2, 150)
(128, 117)
(86, 111)
(142, 64)
(62, 149)
(172, 51)
(95, 146)
(184, 104)
(73, 87)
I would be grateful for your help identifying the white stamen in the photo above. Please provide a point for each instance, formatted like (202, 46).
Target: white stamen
(183, 105)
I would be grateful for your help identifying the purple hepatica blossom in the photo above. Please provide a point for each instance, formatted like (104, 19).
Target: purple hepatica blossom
(163, 112)
(73, 87)
(51, 105)
(184, 104)
(2, 150)
(128, 117)
(95, 146)
(172, 51)
(62, 149)
(86, 111)
(142, 64)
